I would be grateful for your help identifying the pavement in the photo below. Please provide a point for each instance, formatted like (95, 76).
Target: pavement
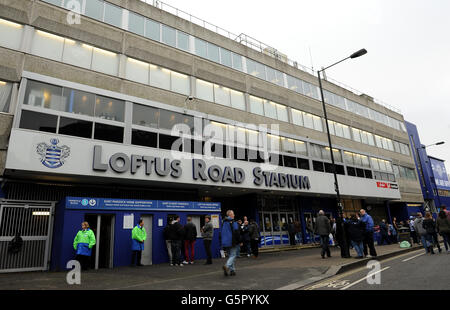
(276, 270)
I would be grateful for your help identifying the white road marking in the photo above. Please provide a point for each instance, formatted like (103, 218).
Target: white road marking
(405, 260)
(366, 277)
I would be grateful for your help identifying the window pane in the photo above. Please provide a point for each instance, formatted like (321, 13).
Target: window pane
(213, 52)
(364, 138)
(55, 2)
(375, 164)
(136, 23)
(225, 56)
(280, 78)
(168, 35)
(317, 123)
(237, 62)
(169, 119)
(137, 71)
(159, 77)
(237, 100)
(287, 145)
(270, 109)
(152, 30)
(94, 9)
(144, 138)
(5, 96)
(325, 153)
(308, 120)
(78, 102)
(108, 108)
(183, 41)
(378, 141)
(108, 133)
(384, 142)
(357, 159)
(370, 139)
(221, 95)
(256, 105)
(337, 155)
(38, 121)
(282, 113)
(47, 45)
(297, 117)
(390, 145)
(382, 164)
(180, 83)
(44, 95)
(145, 116)
(346, 131)
(348, 158)
(105, 61)
(316, 151)
(356, 135)
(77, 54)
(10, 34)
(339, 130)
(113, 15)
(75, 127)
(201, 48)
(205, 90)
(300, 148)
(271, 76)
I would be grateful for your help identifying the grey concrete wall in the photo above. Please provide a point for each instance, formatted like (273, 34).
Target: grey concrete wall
(5, 131)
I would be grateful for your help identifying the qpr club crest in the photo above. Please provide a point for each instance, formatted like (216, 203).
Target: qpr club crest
(52, 156)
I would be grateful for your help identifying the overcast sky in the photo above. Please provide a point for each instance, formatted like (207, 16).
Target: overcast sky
(408, 43)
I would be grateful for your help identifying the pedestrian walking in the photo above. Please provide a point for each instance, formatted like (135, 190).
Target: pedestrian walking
(176, 235)
(190, 236)
(444, 208)
(168, 242)
(83, 243)
(255, 238)
(342, 236)
(138, 236)
(15, 245)
(355, 228)
(333, 231)
(430, 226)
(443, 228)
(207, 234)
(368, 233)
(323, 229)
(298, 232)
(231, 236)
(384, 233)
(421, 232)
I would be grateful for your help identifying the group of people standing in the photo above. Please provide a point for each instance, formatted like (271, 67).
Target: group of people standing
(428, 229)
(356, 231)
(177, 236)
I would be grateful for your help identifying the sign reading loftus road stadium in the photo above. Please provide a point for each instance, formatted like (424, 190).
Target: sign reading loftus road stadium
(54, 156)
(163, 167)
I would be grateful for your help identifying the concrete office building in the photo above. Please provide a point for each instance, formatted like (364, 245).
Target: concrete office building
(90, 102)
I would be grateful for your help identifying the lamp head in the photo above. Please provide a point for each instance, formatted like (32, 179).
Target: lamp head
(359, 53)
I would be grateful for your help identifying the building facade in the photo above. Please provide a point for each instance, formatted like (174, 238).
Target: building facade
(127, 101)
(433, 176)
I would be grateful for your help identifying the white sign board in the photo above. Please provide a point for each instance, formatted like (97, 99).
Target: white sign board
(128, 221)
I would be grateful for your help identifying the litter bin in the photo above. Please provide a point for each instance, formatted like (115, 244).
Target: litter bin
(404, 235)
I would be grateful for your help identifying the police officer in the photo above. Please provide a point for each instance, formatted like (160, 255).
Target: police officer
(138, 236)
(83, 243)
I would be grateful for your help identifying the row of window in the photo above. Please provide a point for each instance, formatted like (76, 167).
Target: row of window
(82, 103)
(362, 110)
(405, 172)
(99, 131)
(66, 50)
(111, 14)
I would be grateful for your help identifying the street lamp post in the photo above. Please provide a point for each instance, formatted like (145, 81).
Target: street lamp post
(345, 251)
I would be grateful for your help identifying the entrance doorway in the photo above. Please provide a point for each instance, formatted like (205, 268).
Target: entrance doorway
(147, 253)
(103, 227)
(274, 227)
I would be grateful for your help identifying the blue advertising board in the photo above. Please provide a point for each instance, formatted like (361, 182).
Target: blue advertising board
(440, 174)
(85, 203)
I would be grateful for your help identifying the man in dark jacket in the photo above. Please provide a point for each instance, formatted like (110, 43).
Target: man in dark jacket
(176, 234)
(254, 237)
(323, 229)
(190, 236)
(291, 232)
(384, 232)
(368, 234)
(207, 234)
(355, 229)
(166, 232)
